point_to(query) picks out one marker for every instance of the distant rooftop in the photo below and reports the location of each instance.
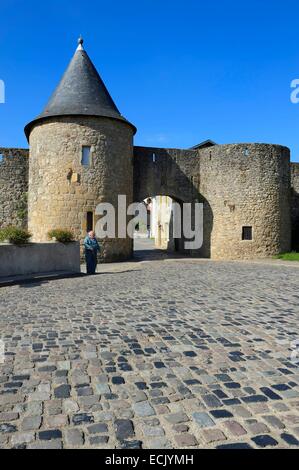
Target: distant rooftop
(204, 144)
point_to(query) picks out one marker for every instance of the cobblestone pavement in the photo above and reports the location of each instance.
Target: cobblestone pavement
(157, 354)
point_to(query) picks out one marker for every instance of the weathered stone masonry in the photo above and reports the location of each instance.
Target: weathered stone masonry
(62, 191)
(14, 165)
(242, 184)
(239, 185)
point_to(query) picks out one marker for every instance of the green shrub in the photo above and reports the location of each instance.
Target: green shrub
(293, 256)
(15, 235)
(61, 235)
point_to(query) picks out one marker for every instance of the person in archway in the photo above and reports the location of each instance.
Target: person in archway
(149, 207)
(91, 249)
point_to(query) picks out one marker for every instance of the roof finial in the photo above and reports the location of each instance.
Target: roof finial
(80, 42)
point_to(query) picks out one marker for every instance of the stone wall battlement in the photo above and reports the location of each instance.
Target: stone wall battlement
(240, 185)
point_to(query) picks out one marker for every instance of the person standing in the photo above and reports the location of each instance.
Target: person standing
(149, 207)
(91, 248)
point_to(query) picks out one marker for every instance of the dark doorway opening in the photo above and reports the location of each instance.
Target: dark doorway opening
(89, 221)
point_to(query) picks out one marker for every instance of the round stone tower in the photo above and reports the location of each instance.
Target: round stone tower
(81, 154)
(248, 190)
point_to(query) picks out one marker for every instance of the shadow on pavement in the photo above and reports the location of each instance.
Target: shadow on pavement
(145, 250)
(38, 280)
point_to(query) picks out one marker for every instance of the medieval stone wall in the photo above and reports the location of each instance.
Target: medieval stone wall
(174, 173)
(295, 205)
(13, 186)
(167, 172)
(62, 190)
(242, 185)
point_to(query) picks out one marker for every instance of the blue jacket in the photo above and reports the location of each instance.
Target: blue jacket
(91, 244)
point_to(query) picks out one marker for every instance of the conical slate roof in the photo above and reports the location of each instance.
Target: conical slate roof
(81, 91)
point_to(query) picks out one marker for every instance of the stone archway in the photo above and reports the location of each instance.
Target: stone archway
(158, 231)
(176, 174)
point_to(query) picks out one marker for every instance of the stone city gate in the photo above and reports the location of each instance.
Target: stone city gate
(82, 153)
(244, 188)
(173, 173)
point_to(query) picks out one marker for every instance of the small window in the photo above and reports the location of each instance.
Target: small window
(89, 221)
(246, 233)
(85, 160)
(1, 157)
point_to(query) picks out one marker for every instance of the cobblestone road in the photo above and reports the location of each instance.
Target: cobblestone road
(159, 354)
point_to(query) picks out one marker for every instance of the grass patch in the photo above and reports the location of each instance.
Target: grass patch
(293, 256)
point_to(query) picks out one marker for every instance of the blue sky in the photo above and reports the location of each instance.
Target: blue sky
(181, 71)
